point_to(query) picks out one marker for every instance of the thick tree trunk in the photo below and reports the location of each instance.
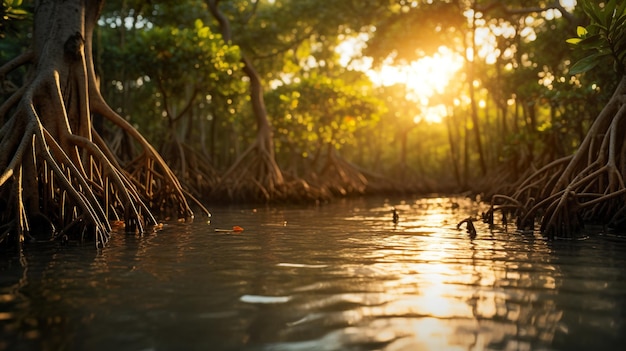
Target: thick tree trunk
(59, 179)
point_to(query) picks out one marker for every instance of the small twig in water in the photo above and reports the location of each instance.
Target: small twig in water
(471, 230)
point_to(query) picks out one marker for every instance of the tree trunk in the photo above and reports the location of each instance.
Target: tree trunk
(472, 92)
(404, 136)
(59, 179)
(452, 141)
(255, 173)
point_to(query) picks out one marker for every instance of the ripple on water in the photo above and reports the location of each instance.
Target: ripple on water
(336, 277)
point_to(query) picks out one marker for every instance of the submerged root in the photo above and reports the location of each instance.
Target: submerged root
(338, 177)
(587, 187)
(253, 177)
(148, 172)
(58, 182)
(469, 226)
(192, 168)
(45, 189)
(58, 178)
(508, 206)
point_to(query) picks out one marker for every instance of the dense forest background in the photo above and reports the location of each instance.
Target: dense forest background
(305, 100)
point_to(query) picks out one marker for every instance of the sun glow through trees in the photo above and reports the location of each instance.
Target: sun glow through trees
(429, 77)
(425, 78)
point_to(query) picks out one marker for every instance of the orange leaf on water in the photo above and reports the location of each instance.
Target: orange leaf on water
(237, 229)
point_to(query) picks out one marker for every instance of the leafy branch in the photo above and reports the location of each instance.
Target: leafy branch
(605, 36)
(10, 11)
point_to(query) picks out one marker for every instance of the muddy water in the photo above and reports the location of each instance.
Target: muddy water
(341, 276)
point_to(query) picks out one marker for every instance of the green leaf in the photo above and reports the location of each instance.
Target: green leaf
(621, 10)
(609, 12)
(592, 41)
(587, 63)
(619, 23)
(17, 13)
(198, 24)
(591, 12)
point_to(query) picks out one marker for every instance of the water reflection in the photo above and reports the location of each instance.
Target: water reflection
(336, 277)
(436, 289)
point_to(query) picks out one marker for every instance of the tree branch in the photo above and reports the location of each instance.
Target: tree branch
(18, 61)
(555, 5)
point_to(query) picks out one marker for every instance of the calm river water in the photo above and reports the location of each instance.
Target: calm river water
(340, 276)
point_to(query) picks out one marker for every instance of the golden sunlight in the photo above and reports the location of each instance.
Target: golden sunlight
(568, 4)
(430, 76)
(424, 78)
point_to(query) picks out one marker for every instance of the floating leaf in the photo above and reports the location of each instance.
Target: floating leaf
(236, 229)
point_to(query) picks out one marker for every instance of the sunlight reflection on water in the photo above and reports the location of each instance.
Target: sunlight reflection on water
(335, 277)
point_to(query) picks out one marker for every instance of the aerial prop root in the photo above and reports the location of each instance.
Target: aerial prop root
(31, 138)
(78, 195)
(506, 205)
(591, 186)
(253, 173)
(586, 199)
(559, 209)
(600, 180)
(587, 186)
(538, 184)
(136, 213)
(149, 167)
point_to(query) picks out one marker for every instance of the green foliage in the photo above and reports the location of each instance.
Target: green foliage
(176, 70)
(11, 11)
(605, 36)
(313, 101)
(15, 33)
(318, 110)
(180, 57)
(411, 30)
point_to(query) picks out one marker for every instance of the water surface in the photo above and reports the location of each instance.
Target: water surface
(341, 276)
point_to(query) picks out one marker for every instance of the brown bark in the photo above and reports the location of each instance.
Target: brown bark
(59, 179)
(585, 187)
(472, 92)
(255, 174)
